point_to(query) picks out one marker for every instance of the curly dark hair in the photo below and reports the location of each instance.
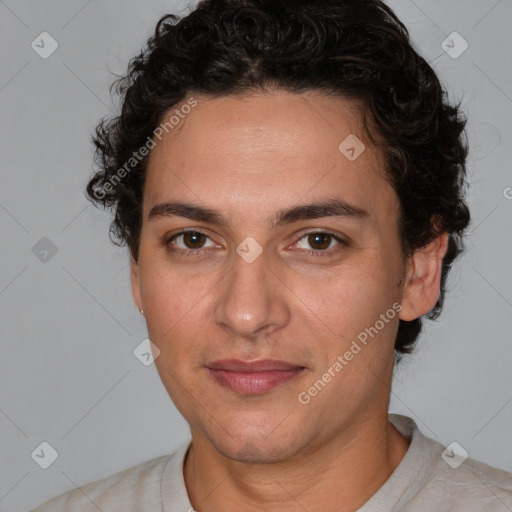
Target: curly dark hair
(356, 49)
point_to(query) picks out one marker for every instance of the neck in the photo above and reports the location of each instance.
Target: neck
(340, 475)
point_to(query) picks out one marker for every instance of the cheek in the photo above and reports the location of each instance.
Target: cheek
(172, 293)
(176, 315)
(347, 316)
(348, 297)
(356, 343)
(176, 310)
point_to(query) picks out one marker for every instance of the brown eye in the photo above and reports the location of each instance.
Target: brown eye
(320, 241)
(189, 241)
(194, 239)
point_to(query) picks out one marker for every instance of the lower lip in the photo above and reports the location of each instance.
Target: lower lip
(254, 383)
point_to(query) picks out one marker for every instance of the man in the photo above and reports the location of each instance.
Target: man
(289, 179)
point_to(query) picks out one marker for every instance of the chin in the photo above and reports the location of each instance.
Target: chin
(244, 441)
(253, 451)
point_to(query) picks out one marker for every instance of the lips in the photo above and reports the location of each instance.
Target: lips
(263, 365)
(253, 377)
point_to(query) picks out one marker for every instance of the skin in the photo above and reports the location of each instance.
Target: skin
(249, 157)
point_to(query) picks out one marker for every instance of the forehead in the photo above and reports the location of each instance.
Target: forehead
(282, 147)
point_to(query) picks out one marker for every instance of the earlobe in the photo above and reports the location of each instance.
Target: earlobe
(423, 281)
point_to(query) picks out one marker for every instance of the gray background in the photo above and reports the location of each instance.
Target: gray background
(68, 375)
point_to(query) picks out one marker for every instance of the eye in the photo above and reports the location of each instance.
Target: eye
(322, 243)
(189, 241)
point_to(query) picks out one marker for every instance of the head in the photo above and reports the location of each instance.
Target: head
(259, 118)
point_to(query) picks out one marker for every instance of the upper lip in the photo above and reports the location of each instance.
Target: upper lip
(261, 365)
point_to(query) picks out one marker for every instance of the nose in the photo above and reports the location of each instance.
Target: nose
(252, 300)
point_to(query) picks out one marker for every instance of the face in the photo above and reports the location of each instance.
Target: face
(249, 272)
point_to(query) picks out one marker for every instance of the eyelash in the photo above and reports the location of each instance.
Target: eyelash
(327, 253)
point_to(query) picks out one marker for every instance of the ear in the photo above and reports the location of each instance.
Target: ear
(423, 279)
(134, 275)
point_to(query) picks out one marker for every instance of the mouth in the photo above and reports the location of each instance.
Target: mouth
(255, 377)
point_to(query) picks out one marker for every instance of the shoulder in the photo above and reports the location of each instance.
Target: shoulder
(447, 479)
(135, 488)
(473, 486)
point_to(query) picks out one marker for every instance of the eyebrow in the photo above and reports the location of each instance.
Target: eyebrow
(326, 208)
